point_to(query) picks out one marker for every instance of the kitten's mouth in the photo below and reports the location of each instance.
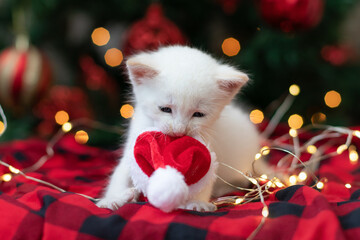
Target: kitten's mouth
(179, 134)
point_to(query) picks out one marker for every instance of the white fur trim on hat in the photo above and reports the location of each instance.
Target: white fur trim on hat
(167, 189)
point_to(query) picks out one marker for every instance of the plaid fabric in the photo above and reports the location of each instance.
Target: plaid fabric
(29, 210)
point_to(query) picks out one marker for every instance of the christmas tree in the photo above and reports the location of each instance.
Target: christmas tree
(63, 60)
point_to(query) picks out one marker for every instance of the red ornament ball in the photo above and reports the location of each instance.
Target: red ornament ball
(337, 55)
(292, 15)
(152, 31)
(24, 77)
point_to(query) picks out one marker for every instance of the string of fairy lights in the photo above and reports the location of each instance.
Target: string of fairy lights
(290, 169)
(295, 122)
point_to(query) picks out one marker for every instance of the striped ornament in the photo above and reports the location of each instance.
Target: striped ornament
(24, 77)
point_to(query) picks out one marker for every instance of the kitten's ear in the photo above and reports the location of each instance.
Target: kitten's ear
(230, 80)
(140, 72)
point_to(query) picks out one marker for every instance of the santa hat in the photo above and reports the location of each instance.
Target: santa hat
(171, 165)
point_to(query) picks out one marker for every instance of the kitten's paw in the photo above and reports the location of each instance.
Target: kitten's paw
(115, 203)
(199, 206)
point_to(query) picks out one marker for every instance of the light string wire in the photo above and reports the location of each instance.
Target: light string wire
(293, 151)
(50, 150)
(283, 108)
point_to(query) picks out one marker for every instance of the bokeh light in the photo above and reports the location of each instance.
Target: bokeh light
(311, 149)
(265, 150)
(127, 111)
(256, 116)
(295, 121)
(318, 117)
(302, 176)
(332, 99)
(6, 177)
(292, 180)
(14, 170)
(353, 155)
(81, 137)
(239, 200)
(113, 57)
(356, 133)
(320, 185)
(341, 148)
(294, 90)
(293, 133)
(2, 127)
(230, 47)
(66, 127)
(100, 36)
(61, 117)
(265, 211)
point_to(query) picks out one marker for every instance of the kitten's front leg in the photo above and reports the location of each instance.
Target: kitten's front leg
(201, 202)
(119, 190)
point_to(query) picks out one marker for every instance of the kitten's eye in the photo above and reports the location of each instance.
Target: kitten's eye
(165, 109)
(198, 114)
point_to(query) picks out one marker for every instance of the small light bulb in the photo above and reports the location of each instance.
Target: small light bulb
(264, 176)
(256, 116)
(356, 133)
(295, 121)
(2, 127)
(100, 36)
(311, 149)
(265, 150)
(341, 149)
(127, 111)
(294, 90)
(279, 184)
(332, 99)
(14, 170)
(320, 185)
(302, 176)
(6, 177)
(348, 185)
(253, 181)
(231, 47)
(258, 156)
(292, 180)
(293, 133)
(61, 117)
(318, 117)
(239, 200)
(81, 137)
(66, 127)
(265, 211)
(354, 157)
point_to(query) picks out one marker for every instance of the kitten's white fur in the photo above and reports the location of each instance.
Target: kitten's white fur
(188, 81)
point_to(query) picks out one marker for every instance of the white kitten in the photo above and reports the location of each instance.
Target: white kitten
(183, 91)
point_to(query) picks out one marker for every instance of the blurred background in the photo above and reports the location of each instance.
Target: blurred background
(62, 60)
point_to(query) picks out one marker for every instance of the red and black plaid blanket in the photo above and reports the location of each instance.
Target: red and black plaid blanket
(29, 210)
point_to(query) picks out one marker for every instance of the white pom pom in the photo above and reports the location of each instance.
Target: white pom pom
(167, 189)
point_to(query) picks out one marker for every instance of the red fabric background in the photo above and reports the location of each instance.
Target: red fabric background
(29, 210)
